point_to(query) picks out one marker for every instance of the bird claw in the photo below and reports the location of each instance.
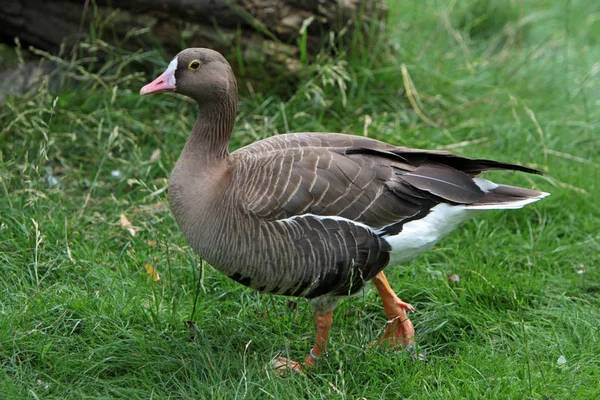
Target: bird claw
(405, 306)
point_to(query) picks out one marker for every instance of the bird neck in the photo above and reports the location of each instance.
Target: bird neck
(212, 132)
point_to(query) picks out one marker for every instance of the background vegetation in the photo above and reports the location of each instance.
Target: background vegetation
(83, 168)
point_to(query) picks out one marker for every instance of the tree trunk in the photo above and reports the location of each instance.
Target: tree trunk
(259, 32)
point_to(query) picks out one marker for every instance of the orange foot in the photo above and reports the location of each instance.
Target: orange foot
(323, 323)
(398, 332)
(282, 365)
(404, 306)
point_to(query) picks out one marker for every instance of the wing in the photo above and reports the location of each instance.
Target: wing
(325, 182)
(353, 177)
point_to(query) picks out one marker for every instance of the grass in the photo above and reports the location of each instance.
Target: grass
(517, 81)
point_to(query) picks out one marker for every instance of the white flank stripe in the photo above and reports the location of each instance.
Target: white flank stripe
(323, 217)
(420, 235)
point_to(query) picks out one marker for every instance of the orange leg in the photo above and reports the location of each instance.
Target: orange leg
(400, 330)
(323, 323)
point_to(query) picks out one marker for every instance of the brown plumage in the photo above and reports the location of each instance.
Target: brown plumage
(314, 215)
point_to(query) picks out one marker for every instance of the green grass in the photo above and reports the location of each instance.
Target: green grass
(513, 81)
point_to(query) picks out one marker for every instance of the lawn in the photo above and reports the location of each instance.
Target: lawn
(83, 220)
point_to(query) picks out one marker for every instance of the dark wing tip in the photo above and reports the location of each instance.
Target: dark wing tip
(497, 165)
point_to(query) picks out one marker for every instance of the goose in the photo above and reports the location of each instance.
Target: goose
(315, 215)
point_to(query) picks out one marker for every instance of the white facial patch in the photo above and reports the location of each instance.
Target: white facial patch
(172, 68)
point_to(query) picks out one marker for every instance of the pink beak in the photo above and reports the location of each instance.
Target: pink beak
(165, 82)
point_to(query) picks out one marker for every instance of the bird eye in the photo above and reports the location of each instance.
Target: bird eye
(194, 65)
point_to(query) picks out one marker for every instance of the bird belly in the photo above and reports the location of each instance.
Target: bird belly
(420, 235)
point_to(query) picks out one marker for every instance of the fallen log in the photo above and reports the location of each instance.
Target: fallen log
(280, 32)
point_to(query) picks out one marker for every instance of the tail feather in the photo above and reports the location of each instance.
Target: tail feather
(507, 197)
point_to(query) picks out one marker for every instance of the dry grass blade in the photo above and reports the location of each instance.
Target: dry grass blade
(412, 95)
(572, 157)
(538, 128)
(155, 156)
